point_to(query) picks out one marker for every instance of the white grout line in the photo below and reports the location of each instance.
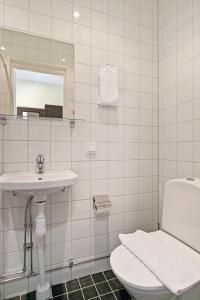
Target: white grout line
(110, 285)
(112, 290)
(95, 287)
(81, 289)
(66, 290)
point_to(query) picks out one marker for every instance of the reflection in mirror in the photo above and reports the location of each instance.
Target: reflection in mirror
(36, 76)
(37, 93)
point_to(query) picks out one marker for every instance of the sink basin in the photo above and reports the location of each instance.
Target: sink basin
(33, 183)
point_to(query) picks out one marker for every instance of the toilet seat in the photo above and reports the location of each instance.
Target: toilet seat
(133, 273)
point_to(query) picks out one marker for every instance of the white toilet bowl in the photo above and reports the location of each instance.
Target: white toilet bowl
(139, 281)
(136, 278)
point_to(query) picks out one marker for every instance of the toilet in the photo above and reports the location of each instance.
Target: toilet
(180, 230)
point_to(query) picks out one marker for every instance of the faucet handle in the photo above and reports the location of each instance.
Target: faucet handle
(40, 159)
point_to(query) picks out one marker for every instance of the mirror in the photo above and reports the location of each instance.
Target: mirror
(36, 76)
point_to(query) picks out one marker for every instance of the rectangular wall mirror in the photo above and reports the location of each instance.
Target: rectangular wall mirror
(36, 76)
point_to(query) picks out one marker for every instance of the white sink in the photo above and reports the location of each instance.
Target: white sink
(32, 183)
(36, 187)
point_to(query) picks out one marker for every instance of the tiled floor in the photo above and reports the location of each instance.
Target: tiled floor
(100, 286)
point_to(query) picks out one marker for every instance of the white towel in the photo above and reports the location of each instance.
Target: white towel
(108, 85)
(175, 272)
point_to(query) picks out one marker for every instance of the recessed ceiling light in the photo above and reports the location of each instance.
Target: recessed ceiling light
(3, 48)
(76, 14)
(63, 59)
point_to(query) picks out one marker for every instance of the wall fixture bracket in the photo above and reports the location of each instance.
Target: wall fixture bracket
(3, 120)
(72, 123)
(71, 263)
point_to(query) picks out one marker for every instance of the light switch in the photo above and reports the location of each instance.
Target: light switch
(91, 148)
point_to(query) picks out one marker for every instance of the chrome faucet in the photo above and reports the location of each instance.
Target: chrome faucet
(40, 163)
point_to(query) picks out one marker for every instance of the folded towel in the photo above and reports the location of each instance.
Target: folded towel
(108, 86)
(175, 272)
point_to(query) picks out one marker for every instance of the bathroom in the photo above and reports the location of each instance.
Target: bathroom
(113, 157)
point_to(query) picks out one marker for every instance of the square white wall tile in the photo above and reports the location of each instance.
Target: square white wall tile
(81, 190)
(81, 209)
(62, 10)
(39, 130)
(60, 151)
(99, 21)
(15, 130)
(80, 229)
(81, 248)
(61, 30)
(116, 8)
(99, 245)
(101, 6)
(81, 34)
(99, 186)
(16, 18)
(60, 212)
(60, 232)
(15, 151)
(43, 7)
(84, 18)
(39, 24)
(60, 253)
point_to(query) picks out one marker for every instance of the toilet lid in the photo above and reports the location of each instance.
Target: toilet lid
(132, 272)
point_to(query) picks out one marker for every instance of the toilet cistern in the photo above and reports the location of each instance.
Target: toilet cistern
(40, 163)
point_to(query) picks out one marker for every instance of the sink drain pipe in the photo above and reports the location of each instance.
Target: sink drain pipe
(43, 290)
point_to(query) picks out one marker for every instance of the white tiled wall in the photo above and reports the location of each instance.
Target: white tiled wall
(119, 32)
(179, 59)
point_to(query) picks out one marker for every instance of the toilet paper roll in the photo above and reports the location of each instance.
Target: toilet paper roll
(101, 205)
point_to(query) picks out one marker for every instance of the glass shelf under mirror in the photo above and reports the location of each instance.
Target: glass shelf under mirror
(70, 121)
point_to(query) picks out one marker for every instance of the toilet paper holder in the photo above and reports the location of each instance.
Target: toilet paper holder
(101, 204)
